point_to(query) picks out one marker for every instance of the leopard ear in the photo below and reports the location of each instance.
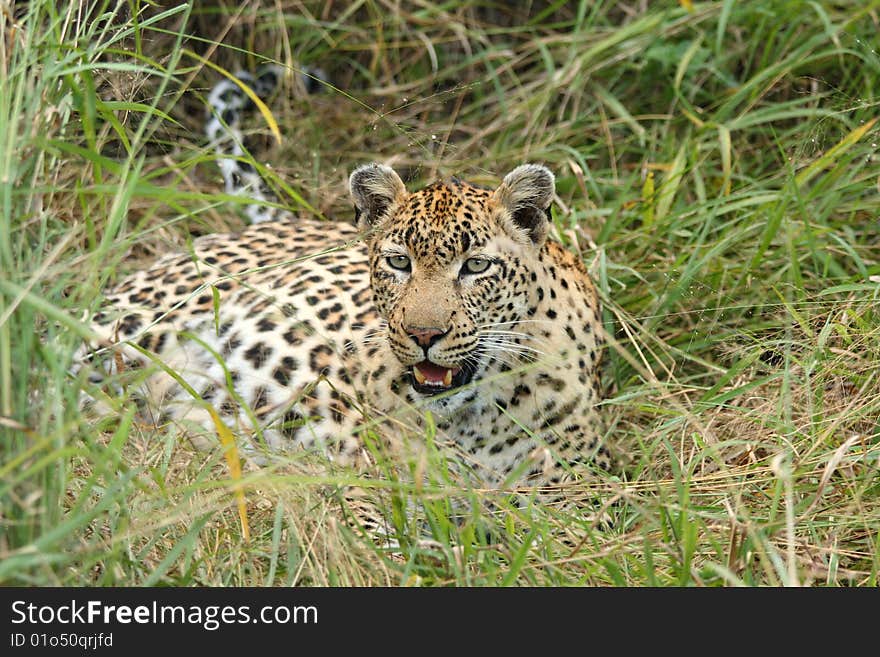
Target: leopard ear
(376, 189)
(526, 193)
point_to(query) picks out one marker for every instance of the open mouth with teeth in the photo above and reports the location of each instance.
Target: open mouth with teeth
(430, 379)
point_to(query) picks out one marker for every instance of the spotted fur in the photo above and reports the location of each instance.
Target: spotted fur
(301, 334)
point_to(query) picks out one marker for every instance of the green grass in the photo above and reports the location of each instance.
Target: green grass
(717, 170)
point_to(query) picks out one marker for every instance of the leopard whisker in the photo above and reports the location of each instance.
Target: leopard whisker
(511, 346)
(514, 322)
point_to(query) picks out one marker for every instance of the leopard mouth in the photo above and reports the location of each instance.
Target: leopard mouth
(431, 379)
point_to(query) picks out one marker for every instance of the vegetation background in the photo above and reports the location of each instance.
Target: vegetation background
(718, 171)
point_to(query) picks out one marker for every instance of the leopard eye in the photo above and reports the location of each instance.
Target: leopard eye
(400, 262)
(475, 265)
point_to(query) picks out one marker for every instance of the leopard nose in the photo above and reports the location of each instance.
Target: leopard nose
(425, 337)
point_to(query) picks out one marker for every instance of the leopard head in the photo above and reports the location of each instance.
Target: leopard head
(451, 269)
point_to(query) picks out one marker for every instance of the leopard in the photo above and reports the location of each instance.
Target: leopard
(449, 313)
